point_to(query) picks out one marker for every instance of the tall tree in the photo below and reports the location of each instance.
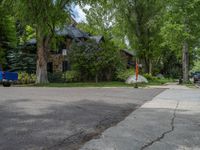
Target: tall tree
(181, 30)
(136, 23)
(7, 33)
(100, 20)
(141, 21)
(44, 16)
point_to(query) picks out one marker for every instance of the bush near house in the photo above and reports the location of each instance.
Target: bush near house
(149, 77)
(123, 75)
(71, 76)
(95, 62)
(25, 78)
(56, 77)
(64, 77)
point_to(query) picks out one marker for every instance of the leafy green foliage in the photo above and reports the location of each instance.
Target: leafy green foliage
(156, 80)
(56, 77)
(141, 22)
(25, 33)
(66, 77)
(7, 33)
(44, 16)
(25, 78)
(180, 23)
(156, 29)
(95, 61)
(196, 66)
(101, 21)
(171, 64)
(71, 76)
(123, 75)
(149, 77)
(151, 28)
(180, 31)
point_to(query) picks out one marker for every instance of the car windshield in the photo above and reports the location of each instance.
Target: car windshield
(196, 73)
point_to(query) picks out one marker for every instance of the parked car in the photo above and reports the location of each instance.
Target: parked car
(196, 77)
(6, 78)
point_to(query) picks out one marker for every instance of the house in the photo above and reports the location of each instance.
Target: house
(129, 58)
(58, 59)
(58, 62)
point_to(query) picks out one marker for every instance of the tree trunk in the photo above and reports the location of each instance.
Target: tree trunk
(185, 62)
(146, 65)
(41, 70)
(96, 78)
(150, 67)
(109, 74)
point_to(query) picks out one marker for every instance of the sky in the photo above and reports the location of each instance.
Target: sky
(79, 15)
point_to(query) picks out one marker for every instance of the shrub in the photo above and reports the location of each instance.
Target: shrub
(95, 61)
(124, 74)
(196, 66)
(71, 76)
(25, 78)
(149, 77)
(33, 78)
(56, 77)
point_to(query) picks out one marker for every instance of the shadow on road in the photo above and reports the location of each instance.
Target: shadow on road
(57, 126)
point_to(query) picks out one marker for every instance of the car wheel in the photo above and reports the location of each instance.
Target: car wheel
(6, 84)
(195, 80)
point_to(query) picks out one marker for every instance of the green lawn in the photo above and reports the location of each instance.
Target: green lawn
(160, 81)
(86, 84)
(104, 84)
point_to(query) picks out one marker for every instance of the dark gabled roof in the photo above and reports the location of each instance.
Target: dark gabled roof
(98, 39)
(131, 53)
(71, 31)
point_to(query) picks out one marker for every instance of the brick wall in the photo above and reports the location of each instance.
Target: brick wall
(57, 60)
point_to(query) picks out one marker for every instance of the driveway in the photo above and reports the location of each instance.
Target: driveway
(63, 118)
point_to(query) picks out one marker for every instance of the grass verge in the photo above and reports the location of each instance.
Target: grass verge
(86, 84)
(103, 84)
(160, 81)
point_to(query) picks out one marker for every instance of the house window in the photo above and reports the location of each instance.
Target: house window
(64, 52)
(65, 66)
(50, 67)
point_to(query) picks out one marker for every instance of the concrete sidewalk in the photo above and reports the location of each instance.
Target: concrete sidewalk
(171, 121)
(173, 85)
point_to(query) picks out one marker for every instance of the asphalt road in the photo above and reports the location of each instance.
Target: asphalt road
(171, 121)
(63, 118)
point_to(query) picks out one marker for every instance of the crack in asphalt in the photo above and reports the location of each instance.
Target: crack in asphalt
(75, 141)
(71, 138)
(165, 133)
